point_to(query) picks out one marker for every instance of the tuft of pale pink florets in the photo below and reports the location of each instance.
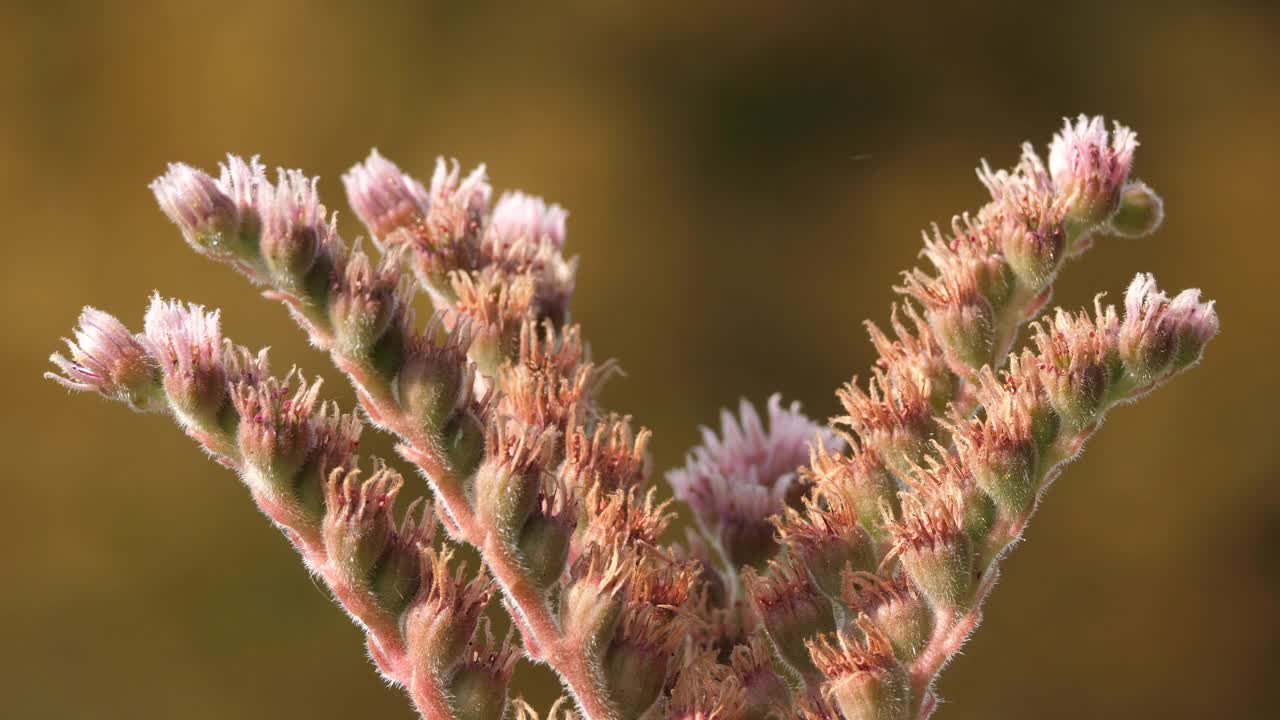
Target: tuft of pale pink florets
(217, 217)
(518, 216)
(735, 481)
(1089, 166)
(384, 197)
(186, 341)
(108, 359)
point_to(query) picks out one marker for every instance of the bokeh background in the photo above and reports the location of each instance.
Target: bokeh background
(745, 182)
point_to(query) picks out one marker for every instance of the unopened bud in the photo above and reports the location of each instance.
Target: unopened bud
(1194, 323)
(1089, 166)
(435, 379)
(591, 603)
(108, 359)
(894, 420)
(860, 477)
(507, 484)
(790, 608)
(275, 429)
(544, 539)
(218, 218)
(293, 227)
(635, 665)
(1034, 247)
(385, 198)
(478, 687)
(827, 539)
(358, 524)
(363, 303)
(999, 451)
(441, 620)
(186, 341)
(1078, 357)
(1147, 339)
(399, 575)
(935, 549)
(894, 605)
(1141, 211)
(864, 678)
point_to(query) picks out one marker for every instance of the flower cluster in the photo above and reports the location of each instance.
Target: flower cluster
(833, 569)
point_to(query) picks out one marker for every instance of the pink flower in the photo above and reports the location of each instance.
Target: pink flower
(108, 359)
(384, 197)
(186, 341)
(1089, 166)
(217, 217)
(518, 216)
(736, 481)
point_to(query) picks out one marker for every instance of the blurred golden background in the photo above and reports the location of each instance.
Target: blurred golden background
(745, 182)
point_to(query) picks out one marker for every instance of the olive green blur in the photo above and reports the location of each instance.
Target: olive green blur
(744, 186)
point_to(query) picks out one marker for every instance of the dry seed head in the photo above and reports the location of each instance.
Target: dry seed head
(611, 458)
(706, 690)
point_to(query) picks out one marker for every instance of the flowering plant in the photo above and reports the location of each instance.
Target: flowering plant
(833, 569)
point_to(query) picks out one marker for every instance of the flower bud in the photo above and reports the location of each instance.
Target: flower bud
(335, 437)
(218, 218)
(507, 484)
(1194, 323)
(464, 441)
(1078, 356)
(496, 304)
(519, 217)
(936, 551)
(358, 525)
(893, 419)
(752, 664)
(276, 434)
(895, 607)
(1141, 211)
(592, 600)
(478, 687)
(384, 198)
(363, 303)
(635, 664)
(441, 620)
(544, 539)
(735, 482)
(1089, 166)
(1146, 339)
(1034, 243)
(398, 577)
(435, 380)
(915, 357)
(998, 449)
(826, 538)
(108, 359)
(187, 343)
(791, 610)
(860, 477)
(863, 678)
(293, 227)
